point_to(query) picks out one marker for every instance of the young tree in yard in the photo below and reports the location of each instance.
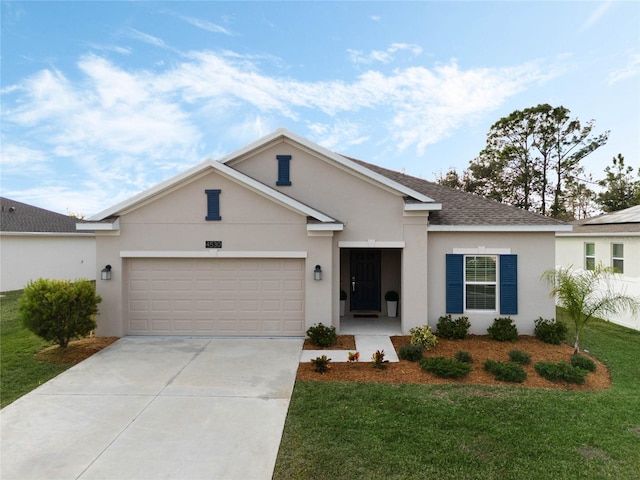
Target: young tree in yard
(621, 189)
(586, 294)
(59, 310)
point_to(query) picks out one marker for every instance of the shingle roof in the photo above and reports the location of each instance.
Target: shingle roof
(623, 221)
(21, 217)
(465, 209)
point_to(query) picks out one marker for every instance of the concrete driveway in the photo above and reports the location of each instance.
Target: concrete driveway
(151, 408)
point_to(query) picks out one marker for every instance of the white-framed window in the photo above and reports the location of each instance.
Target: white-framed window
(589, 256)
(480, 282)
(617, 257)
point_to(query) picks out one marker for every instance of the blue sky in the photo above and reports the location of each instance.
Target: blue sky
(101, 100)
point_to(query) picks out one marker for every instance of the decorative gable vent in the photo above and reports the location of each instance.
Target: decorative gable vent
(284, 169)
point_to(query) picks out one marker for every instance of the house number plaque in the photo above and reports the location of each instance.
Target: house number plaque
(213, 244)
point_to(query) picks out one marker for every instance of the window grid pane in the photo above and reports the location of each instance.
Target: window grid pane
(480, 269)
(480, 282)
(481, 297)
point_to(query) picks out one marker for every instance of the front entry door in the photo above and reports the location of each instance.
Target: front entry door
(365, 280)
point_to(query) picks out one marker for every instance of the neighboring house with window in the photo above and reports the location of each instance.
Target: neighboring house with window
(37, 243)
(262, 241)
(611, 239)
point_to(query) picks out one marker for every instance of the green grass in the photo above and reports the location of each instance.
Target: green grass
(351, 430)
(19, 371)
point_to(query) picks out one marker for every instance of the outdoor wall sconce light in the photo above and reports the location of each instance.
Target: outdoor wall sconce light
(105, 273)
(317, 273)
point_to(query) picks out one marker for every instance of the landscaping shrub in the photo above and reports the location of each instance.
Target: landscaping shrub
(518, 356)
(411, 352)
(503, 329)
(453, 329)
(322, 335)
(463, 356)
(445, 367)
(377, 359)
(59, 310)
(506, 371)
(320, 364)
(583, 362)
(550, 331)
(423, 336)
(561, 371)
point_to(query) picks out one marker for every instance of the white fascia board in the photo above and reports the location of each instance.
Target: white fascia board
(317, 227)
(48, 234)
(345, 162)
(422, 207)
(212, 253)
(482, 251)
(604, 235)
(499, 228)
(99, 226)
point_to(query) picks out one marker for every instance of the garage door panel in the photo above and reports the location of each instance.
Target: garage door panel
(215, 296)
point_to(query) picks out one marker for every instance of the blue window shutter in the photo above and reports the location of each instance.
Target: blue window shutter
(508, 284)
(455, 283)
(213, 205)
(284, 169)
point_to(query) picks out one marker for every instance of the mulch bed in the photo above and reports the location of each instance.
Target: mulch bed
(480, 347)
(76, 351)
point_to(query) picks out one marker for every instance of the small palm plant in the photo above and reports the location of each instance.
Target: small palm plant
(586, 294)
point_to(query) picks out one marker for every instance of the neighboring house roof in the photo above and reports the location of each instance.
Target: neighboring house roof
(465, 210)
(21, 217)
(625, 221)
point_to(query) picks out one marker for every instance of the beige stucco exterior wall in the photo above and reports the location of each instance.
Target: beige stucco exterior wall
(29, 256)
(535, 255)
(570, 251)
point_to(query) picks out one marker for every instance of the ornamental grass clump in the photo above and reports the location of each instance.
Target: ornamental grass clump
(561, 372)
(506, 371)
(320, 364)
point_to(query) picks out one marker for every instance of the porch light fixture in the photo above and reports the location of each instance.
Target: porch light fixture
(317, 273)
(105, 273)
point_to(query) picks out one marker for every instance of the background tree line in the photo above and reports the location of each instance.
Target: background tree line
(532, 160)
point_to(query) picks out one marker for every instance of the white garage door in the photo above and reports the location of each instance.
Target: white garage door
(246, 297)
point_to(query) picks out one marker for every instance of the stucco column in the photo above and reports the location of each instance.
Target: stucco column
(109, 318)
(414, 278)
(318, 293)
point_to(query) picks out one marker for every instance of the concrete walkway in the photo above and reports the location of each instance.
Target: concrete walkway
(149, 408)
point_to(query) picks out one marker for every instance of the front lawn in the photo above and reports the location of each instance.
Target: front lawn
(20, 372)
(360, 430)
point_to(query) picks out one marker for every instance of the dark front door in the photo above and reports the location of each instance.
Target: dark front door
(365, 280)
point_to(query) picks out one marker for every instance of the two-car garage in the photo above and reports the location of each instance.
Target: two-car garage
(214, 296)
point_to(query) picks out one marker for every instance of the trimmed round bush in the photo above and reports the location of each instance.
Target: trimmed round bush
(445, 367)
(550, 331)
(452, 329)
(423, 336)
(322, 335)
(411, 352)
(503, 329)
(59, 310)
(583, 362)
(518, 356)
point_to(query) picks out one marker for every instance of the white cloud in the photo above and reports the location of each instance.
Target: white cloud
(23, 161)
(205, 25)
(125, 130)
(630, 70)
(596, 15)
(146, 38)
(383, 56)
